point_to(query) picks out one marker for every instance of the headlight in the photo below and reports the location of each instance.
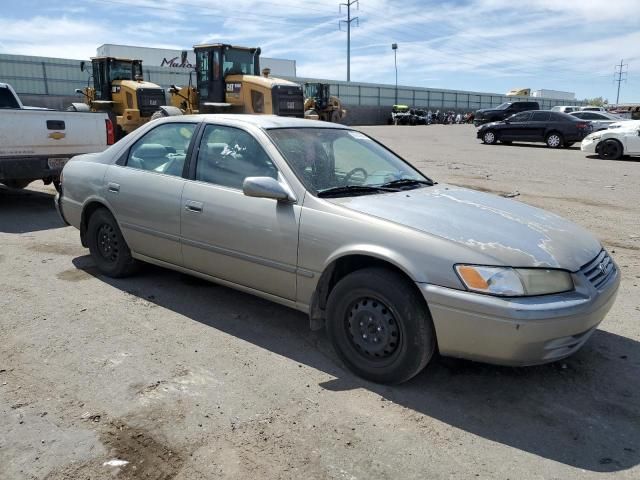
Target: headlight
(514, 282)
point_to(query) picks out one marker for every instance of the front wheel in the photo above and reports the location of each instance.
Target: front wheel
(379, 326)
(107, 245)
(610, 150)
(489, 137)
(554, 140)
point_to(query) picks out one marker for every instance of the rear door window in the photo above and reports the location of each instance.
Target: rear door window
(163, 149)
(7, 100)
(540, 116)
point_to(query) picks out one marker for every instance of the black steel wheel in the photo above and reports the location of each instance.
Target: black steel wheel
(380, 326)
(107, 245)
(610, 150)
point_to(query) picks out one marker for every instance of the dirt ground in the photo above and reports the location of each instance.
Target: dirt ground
(184, 379)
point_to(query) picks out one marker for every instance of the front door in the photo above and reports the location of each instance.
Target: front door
(144, 191)
(245, 240)
(516, 128)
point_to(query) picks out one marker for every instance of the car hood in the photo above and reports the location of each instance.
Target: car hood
(512, 232)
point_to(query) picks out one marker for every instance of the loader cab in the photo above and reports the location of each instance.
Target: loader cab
(214, 63)
(319, 92)
(107, 70)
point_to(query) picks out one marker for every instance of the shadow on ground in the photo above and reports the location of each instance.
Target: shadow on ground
(583, 412)
(23, 211)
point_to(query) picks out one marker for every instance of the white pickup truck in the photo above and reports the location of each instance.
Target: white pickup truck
(35, 143)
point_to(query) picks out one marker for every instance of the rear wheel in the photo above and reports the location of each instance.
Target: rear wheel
(610, 150)
(379, 326)
(489, 137)
(554, 140)
(107, 245)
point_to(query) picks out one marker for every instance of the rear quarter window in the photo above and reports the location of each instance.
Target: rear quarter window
(7, 100)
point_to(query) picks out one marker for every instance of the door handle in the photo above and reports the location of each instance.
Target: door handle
(195, 207)
(113, 187)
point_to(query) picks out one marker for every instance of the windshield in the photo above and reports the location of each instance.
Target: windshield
(325, 158)
(238, 61)
(311, 90)
(122, 70)
(503, 106)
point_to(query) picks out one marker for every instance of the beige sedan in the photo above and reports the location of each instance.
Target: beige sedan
(324, 219)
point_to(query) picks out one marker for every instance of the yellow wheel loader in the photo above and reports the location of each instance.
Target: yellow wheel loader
(119, 89)
(319, 104)
(228, 80)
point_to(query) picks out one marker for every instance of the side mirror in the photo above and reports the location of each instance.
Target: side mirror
(82, 66)
(266, 187)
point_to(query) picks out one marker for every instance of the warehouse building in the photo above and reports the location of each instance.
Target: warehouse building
(51, 82)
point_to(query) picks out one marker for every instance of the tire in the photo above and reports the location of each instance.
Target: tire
(393, 338)
(107, 245)
(610, 150)
(554, 140)
(489, 137)
(17, 184)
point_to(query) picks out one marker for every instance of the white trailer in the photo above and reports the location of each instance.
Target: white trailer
(554, 94)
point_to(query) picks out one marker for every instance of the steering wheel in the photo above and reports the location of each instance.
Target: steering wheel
(347, 177)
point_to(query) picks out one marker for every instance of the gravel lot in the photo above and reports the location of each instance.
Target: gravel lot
(189, 380)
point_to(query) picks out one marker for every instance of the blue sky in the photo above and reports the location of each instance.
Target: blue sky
(480, 45)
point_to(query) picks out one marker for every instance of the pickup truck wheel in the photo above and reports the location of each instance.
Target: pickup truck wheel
(107, 245)
(489, 137)
(379, 326)
(554, 140)
(610, 150)
(17, 184)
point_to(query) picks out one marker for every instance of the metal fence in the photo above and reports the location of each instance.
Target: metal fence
(53, 76)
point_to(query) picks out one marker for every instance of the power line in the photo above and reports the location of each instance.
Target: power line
(621, 72)
(348, 21)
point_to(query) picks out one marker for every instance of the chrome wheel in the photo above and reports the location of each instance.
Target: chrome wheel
(489, 138)
(554, 140)
(372, 329)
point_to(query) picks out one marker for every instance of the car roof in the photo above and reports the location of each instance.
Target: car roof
(264, 121)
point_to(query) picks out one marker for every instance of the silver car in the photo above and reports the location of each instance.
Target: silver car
(324, 219)
(599, 120)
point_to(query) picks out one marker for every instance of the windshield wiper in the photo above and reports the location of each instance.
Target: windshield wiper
(346, 190)
(407, 182)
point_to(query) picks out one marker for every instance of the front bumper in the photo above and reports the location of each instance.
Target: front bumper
(518, 331)
(589, 145)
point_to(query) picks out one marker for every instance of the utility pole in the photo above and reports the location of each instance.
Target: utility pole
(621, 73)
(394, 47)
(348, 22)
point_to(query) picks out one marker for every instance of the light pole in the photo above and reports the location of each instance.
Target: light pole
(394, 47)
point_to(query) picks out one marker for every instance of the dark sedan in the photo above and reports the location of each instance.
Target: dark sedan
(556, 129)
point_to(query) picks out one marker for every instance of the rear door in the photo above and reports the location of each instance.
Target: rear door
(144, 190)
(538, 125)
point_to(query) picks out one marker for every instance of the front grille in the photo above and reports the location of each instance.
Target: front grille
(288, 101)
(150, 100)
(599, 270)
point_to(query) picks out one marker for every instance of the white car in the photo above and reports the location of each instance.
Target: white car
(566, 108)
(612, 144)
(625, 124)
